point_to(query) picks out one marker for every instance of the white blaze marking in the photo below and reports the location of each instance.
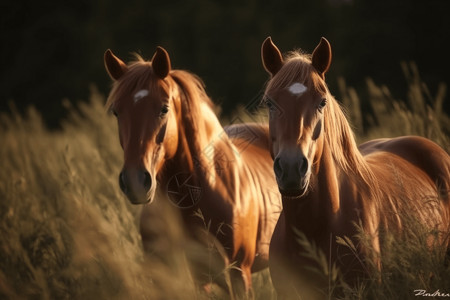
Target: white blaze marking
(297, 89)
(139, 95)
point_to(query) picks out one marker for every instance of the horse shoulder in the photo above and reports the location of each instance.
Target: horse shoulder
(262, 198)
(255, 166)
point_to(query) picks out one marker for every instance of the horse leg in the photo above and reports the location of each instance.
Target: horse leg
(241, 282)
(240, 274)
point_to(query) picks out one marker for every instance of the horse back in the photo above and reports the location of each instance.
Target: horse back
(245, 134)
(420, 152)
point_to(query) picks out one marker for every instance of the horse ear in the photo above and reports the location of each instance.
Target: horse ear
(161, 63)
(271, 57)
(321, 57)
(114, 66)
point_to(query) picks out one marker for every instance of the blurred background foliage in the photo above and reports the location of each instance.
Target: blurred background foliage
(53, 50)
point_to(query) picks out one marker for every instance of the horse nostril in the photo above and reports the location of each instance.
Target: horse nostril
(147, 180)
(303, 166)
(122, 183)
(277, 167)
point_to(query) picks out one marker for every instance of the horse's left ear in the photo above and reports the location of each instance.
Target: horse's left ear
(161, 62)
(321, 57)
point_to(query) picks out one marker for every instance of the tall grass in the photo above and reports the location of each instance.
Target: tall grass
(420, 112)
(67, 232)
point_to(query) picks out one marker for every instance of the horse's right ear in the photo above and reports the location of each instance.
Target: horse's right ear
(161, 62)
(114, 66)
(271, 57)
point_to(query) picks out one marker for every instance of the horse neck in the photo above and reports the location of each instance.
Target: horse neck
(312, 213)
(197, 139)
(339, 170)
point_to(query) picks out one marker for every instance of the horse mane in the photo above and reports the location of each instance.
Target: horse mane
(341, 140)
(198, 120)
(339, 136)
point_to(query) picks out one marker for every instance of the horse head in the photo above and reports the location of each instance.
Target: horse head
(297, 97)
(142, 99)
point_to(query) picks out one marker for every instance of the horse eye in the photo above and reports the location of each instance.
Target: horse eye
(164, 110)
(322, 104)
(114, 112)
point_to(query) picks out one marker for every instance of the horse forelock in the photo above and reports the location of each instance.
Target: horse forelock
(139, 75)
(297, 68)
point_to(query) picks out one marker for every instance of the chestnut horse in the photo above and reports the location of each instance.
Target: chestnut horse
(328, 184)
(170, 135)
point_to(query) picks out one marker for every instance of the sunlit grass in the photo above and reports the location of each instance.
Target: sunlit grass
(67, 231)
(419, 113)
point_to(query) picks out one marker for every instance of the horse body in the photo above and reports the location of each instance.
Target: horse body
(237, 195)
(328, 184)
(171, 135)
(414, 180)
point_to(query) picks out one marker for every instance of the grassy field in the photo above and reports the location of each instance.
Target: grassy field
(67, 232)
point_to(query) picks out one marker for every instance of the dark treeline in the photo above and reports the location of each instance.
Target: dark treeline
(54, 49)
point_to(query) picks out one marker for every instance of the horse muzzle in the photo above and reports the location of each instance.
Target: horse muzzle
(297, 191)
(292, 175)
(137, 185)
